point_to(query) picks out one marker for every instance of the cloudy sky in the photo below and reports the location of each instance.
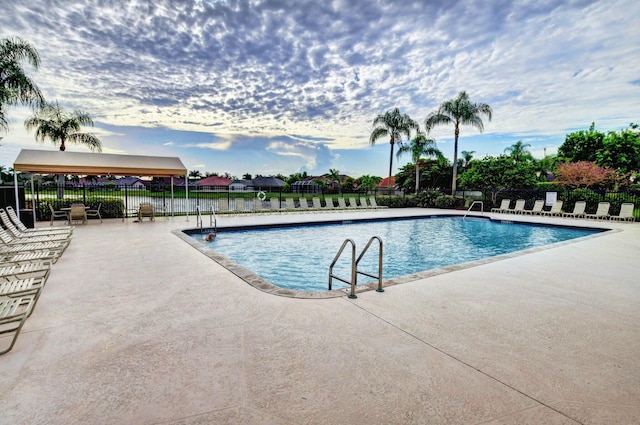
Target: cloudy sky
(281, 86)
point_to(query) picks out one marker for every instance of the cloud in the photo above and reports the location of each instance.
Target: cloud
(315, 74)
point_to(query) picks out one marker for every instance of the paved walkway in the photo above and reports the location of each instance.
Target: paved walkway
(136, 326)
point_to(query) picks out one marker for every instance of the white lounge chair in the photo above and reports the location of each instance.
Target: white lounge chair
(556, 209)
(578, 210)
(601, 213)
(317, 205)
(341, 203)
(352, 203)
(304, 204)
(328, 204)
(24, 229)
(537, 207)
(374, 203)
(13, 314)
(503, 208)
(626, 213)
(518, 208)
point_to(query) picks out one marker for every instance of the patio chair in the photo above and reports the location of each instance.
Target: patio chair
(17, 287)
(556, 209)
(317, 205)
(518, 208)
(537, 207)
(36, 237)
(57, 214)
(290, 204)
(13, 314)
(626, 213)
(304, 204)
(60, 230)
(275, 203)
(78, 212)
(9, 244)
(601, 213)
(328, 204)
(9, 271)
(374, 204)
(341, 203)
(146, 210)
(504, 206)
(94, 213)
(257, 204)
(578, 210)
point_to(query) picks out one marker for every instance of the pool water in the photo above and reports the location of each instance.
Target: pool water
(299, 257)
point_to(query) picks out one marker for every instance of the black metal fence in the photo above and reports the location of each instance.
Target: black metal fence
(119, 201)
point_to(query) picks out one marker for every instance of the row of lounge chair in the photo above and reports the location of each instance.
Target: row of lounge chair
(290, 204)
(26, 257)
(602, 212)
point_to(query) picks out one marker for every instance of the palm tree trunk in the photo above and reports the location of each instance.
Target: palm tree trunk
(455, 162)
(390, 169)
(417, 177)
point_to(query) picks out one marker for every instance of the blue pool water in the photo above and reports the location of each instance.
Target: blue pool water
(299, 257)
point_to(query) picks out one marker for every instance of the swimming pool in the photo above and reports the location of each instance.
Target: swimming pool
(298, 257)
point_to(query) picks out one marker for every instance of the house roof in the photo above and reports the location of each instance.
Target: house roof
(214, 181)
(385, 182)
(58, 162)
(268, 182)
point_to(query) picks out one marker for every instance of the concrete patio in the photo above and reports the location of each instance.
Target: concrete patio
(135, 326)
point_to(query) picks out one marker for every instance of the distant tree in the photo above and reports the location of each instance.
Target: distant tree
(195, 174)
(582, 145)
(247, 176)
(335, 178)
(519, 152)
(434, 173)
(584, 174)
(499, 173)
(394, 125)
(295, 177)
(54, 123)
(211, 174)
(419, 146)
(16, 88)
(620, 150)
(458, 111)
(467, 156)
(368, 182)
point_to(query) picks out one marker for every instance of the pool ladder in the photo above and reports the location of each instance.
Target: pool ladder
(354, 265)
(472, 204)
(213, 221)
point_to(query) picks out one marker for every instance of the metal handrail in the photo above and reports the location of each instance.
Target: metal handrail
(353, 267)
(214, 219)
(198, 218)
(379, 276)
(472, 204)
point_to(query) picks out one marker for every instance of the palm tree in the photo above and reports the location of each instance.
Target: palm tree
(334, 176)
(519, 151)
(458, 111)
(15, 86)
(55, 123)
(394, 125)
(420, 145)
(467, 156)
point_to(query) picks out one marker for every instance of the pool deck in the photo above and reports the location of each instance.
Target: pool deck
(137, 327)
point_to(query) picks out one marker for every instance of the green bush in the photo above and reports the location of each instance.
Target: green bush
(397, 201)
(592, 199)
(427, 198)
(449, 202)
